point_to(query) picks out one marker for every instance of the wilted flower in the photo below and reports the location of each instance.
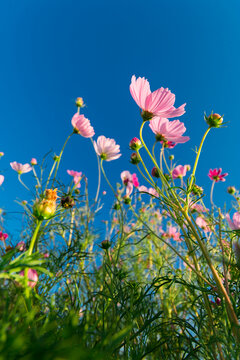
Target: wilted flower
(215, 175)
(32, 276)
(160, 102)
(82, 126)
(180, 171)
(107, 148)
(45, 208)
(155, 172)
(67, 202)
(168, 131)
(20, 168)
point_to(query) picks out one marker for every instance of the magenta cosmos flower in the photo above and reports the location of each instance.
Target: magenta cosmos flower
(159, 102)
(32, 276)
(82, 126)
(180, 171)
(235, 224)
(20, 168)
(166, 130)
(3, 236)
(107, 148)
(215, 175)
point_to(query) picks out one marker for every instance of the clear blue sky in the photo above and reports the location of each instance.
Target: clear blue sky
(53, 51)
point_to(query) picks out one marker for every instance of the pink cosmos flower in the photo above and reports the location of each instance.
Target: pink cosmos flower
(1, 179)
(33, 162)
(168, 131)
(20, 168)
(76, 177)
(32, 276)
(203, 224)
(235, 224)
(107, 148)
(215, 175)
(172, 233)
(160, 102)
(82, 126)
(150, 191)
(21, 246)
(198, 208)
(3, 236)
(46, 255)
(180, 171)
(129, 180)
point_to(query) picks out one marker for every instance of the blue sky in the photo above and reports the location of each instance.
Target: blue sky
(54, 51)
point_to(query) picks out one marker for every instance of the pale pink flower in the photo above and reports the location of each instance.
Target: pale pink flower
(160, 102)
(107, 148)
(168, 131)
(143, 188)
(203, 224)
(33, 162)
(180, 171)
(235, 224)
(21, 246)
(82, 126)
(20, 168)
(32, 276)
(216, 175)
(172, 233)
(77, 175)
(1, 179)
(150, 191)
(198, 208)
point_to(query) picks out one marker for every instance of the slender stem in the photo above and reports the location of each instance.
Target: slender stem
(34, 237)
(153, 150)
(161, 158)
(60, 156)
(36, 177)
(165, 161)
(143, 175)
(71, 227)
(99, 176)
(20, 180)
(145, 168)
(104, 174)
(196, 163)
(211, 193)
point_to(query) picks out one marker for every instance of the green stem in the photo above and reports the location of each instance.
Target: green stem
(145, 168)
(104, 174)
(211, 193)
(34, 237)
(195, 164)
(99, 176)
(19, 178)
(58, 159)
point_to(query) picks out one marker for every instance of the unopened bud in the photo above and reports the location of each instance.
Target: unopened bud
(135, 144)
(127, 200)
(197, 190)
(134, 159)
(231, 190)
(116, 206)
(171, 157)
(33, 162)
(155, 172)
(105, 244)
(214, 120)
(79, 102)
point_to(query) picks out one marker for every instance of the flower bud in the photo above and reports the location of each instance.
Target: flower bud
(218, 301)
(214, 120)
(134, 159)
(167, 177)
(56, 158)
(105, 244)
(231, 190)
(1, 153)
(33, 162)
(79, 102)
(171, 157)
(155, 172)
(197, 190)
(135, 144)
(127, 200)
(45, 208)
(116, 206)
